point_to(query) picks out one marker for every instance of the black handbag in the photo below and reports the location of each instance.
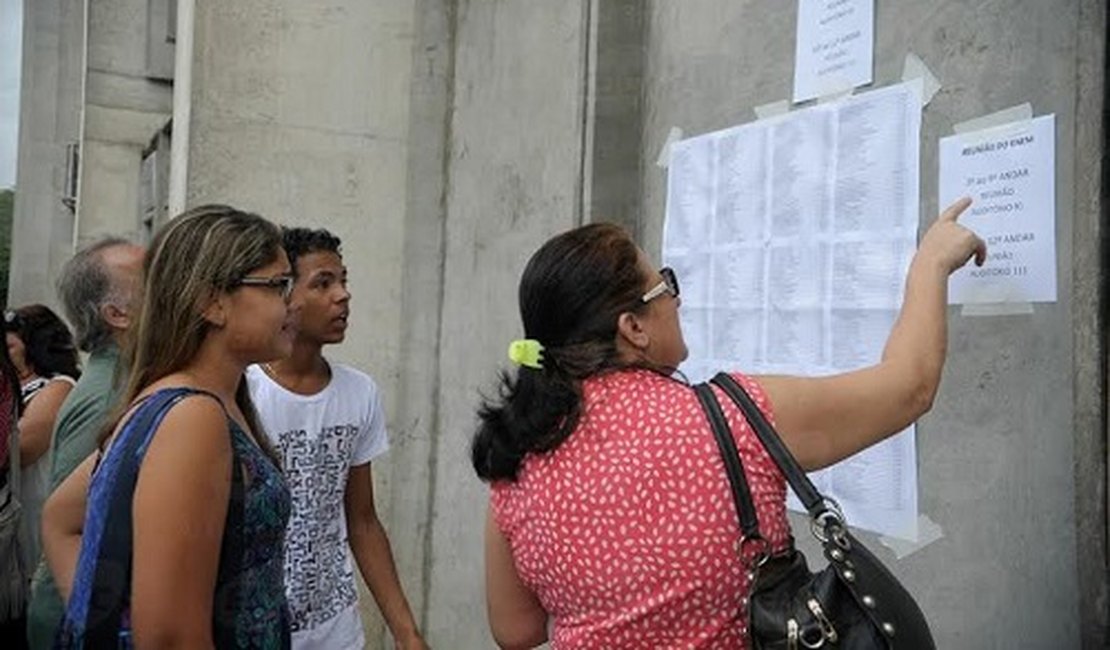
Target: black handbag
(853, 603)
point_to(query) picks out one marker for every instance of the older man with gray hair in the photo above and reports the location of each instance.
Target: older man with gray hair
(97, 288)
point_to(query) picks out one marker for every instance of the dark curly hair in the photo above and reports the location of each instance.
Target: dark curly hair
(49, 344)
(302, 241)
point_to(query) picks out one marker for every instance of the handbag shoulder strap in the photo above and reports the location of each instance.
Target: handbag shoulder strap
(741, 495)
(795, 475)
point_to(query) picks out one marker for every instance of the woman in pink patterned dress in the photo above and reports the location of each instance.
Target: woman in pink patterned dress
(611, 523)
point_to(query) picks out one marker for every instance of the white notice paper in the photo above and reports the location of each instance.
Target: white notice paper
(792, 237)
(1010, 174)
(834, 49)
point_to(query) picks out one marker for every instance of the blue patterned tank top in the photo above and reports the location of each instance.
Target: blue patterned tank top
(248, 608)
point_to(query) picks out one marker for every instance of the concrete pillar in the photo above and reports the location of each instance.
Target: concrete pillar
(514, 179)
(127, 102)
(415, 431)
(616, 112)
(1092, 439)
(50, 105)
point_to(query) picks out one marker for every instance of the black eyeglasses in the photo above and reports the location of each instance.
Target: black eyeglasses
(669, 285)
(284, 283)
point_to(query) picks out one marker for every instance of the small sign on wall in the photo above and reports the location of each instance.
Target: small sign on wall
(834, 48)
(1009, 172)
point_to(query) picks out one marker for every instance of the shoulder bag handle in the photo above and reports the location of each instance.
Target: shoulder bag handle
(741, 495)
(819, 507)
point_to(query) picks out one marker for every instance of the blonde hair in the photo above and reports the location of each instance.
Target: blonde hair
(194, 257)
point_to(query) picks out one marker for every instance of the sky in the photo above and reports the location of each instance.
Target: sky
(11, 35)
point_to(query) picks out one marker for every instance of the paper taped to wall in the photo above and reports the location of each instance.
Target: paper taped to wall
(792, 236)
(1009, 172)
(926, 531)
(915, 68)
(673, 136)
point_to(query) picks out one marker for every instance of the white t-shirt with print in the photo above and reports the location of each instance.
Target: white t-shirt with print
(319, 438)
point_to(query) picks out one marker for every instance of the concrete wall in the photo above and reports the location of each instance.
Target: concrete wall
(85, 81)
(514, 171)
(1012, 459)
(50, 104)
(413, 453)
(1011, 432)
(126, 103)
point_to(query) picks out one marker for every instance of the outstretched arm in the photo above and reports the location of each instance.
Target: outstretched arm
(826, 419)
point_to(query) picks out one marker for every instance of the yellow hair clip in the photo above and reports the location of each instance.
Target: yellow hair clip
(526, 352)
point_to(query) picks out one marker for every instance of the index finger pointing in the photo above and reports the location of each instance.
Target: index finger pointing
(951, 212)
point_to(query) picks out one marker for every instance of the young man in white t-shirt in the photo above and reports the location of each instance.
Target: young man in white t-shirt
(327, 423)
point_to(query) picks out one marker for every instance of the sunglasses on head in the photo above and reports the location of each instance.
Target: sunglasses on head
(668, 285)
(12, 321)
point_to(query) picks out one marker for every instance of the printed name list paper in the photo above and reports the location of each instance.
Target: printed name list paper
(792, 237)
(834, 49)
(1010, 174)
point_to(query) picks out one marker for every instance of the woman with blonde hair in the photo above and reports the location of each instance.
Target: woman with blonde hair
(611, 522)
(171, 535)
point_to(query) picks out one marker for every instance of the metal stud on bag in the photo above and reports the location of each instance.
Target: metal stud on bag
(827, 628)
(832, 517)
(791, 634)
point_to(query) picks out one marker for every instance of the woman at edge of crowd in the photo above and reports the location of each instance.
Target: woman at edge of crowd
(186, 495)
(42, 349)
(610, 515)
(13, 575)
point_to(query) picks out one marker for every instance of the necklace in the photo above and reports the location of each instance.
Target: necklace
(272, 374)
